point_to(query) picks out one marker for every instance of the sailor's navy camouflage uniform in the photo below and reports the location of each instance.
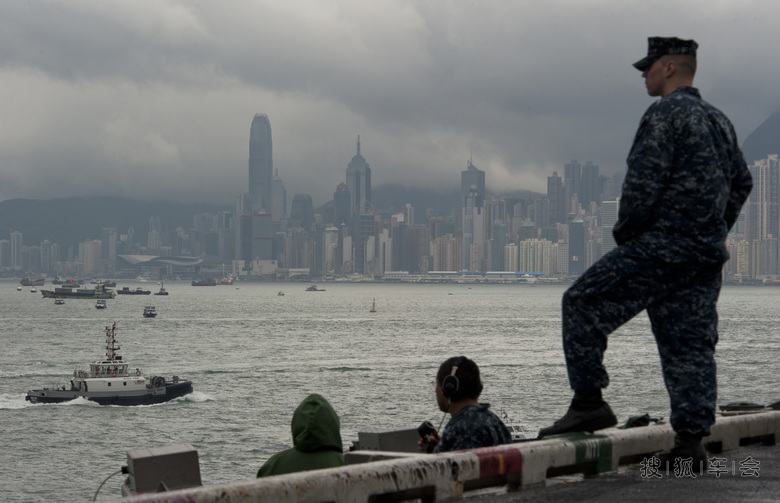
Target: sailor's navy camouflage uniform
(473, 426)
(685, 185)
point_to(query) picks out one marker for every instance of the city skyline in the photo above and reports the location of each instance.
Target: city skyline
(496, 236)
(151, 100)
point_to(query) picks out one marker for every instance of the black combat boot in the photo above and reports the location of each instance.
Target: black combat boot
(588, 412)
(686, 446)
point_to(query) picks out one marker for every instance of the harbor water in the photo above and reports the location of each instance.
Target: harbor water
(253, 355)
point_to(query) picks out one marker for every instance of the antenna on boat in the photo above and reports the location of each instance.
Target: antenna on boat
(111, 346)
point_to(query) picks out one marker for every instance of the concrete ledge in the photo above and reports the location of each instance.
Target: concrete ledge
(389, 476)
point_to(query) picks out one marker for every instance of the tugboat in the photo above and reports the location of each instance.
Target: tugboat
(111, 381)
(162, 291)
(516, 428)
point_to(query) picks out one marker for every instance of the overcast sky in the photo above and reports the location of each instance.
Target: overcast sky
(154, 99)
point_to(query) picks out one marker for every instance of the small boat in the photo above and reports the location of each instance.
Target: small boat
(59, 302)
(373, 307)
(19, 288)
(138, 291)
(313, 288)
(112, 381)
(100, 304)
(150, 312)
(162, 291)
(516, 428)
(280, 294)
(33, 290)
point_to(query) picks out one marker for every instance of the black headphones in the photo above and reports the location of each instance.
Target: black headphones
(451, 384)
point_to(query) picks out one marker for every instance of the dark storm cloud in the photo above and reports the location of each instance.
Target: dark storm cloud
(155, 98)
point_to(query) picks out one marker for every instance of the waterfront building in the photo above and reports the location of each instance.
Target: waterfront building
(498, 242)
(366, 227)
(384, 256)
(91, 256)
(473, 229)
(762, 213)
(447, 253)
(330, 251)
(256, 238)
(511, 254)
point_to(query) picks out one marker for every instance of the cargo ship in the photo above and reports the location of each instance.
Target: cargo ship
(99, 292)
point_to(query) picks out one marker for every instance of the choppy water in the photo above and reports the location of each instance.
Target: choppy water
(253, 355)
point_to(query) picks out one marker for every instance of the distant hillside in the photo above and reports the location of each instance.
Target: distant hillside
(72, 220)
(763, 141)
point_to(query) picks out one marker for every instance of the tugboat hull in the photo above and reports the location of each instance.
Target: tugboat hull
(147, 397)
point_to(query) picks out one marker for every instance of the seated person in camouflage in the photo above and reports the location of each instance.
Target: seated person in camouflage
(458, 386)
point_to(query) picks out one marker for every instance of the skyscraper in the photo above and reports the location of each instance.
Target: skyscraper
(572, 177)
(341, 201)
(278, 198)
(17, 239)
(302, 211)
(358, 181)
(762, 206)
(261, 165)
(472, 177)
(609, 216)
(589, 184)
(557, 198)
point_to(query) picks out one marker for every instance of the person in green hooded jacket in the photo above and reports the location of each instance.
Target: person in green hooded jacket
(316, 440)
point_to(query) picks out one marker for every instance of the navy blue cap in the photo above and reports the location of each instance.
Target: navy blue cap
(661, 46)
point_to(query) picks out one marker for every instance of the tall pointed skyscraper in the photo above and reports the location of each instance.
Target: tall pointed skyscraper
(261, 164)
(472, 177)
(358, 180)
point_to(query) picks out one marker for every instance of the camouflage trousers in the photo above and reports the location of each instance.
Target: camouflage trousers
(680, 300)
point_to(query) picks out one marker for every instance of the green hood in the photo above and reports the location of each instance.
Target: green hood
(315, 426)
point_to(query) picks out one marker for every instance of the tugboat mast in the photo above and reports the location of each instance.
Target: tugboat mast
(111, 344)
